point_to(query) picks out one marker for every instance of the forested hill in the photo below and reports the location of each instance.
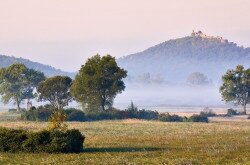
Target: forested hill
(46, 69)
(173, 60)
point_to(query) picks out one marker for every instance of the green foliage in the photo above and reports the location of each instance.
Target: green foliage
(56, 91)
(72, 114)
(207, 112)
(147, 114)
(57, 119)
(98, 82)
(132, 111)
(232, 112)
(198, 118)
(17, 83)
(11, 140)
(75, 115)
(69, 141)
(42, 113)
(37, 142)
(166, 117)
(236, 86)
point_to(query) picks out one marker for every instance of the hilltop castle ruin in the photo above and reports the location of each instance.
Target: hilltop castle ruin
(204, 36)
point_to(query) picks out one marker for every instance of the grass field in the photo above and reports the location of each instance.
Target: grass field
(146, 142)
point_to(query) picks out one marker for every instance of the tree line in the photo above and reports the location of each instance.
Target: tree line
(95, 86)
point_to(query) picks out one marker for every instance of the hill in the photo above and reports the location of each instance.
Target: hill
(6, 61)
(174, 60)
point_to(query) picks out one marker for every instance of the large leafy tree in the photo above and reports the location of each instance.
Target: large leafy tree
(17, 82)
(56, 91)
(236, 86)
(98, 82)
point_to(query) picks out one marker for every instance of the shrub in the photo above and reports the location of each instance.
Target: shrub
(132, 111)
(15, 110)
(207, 112)
(198, 118)
(42, 113)
(11, 140)
(231, 112)
(75, 115)
(12, 110)
(166, 117)
(37, 142)
(147, 114)
(110, 114)
(69, 141)
(57, 119)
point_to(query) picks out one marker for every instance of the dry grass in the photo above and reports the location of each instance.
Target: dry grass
(147, 142)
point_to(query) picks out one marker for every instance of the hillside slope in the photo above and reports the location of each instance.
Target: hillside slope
(174, 60)
(48, 70)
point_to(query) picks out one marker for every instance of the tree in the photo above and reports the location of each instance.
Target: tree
(56, 91)
(132, 110)
(236, 86)
(17, 83)
(197, 78)
(98, 82)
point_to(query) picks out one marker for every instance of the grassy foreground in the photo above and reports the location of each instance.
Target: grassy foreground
(146, 142)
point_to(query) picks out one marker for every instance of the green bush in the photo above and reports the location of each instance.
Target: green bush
(41, 113)
(75, 115)
(113, 114)
(207, 112)
(12, 110)
(198, 118)
(166, 117)
(110, 114)
(37, 142)
(11, 140)
(132, 111)
(231, 112)
(147, 114)
(70, 141)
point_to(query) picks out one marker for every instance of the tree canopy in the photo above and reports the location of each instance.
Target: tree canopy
(56, 90)
(17, 82)
(98, 82)
(197, 78)
(236, 86)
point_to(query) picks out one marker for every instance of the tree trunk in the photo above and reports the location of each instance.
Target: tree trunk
(18, 107)
(103, 106)
(103, 102)
(245, 109)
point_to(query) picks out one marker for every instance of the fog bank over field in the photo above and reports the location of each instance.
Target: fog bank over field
(169, 95)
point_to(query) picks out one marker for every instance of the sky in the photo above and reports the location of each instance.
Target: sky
(64, 33)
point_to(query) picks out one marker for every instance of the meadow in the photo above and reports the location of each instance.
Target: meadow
(146, 142)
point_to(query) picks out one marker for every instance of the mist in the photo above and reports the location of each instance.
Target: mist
(152, 95)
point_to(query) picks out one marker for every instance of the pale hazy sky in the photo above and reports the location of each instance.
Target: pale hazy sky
(64, 33)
